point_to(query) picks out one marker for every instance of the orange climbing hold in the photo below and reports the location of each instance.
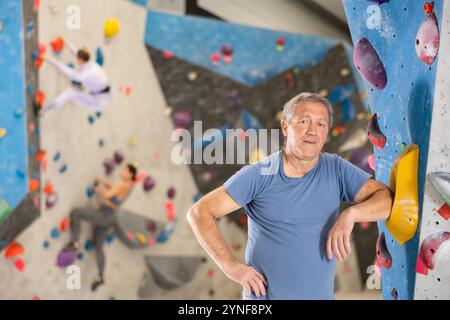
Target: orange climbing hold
(48, 188)
(404, 217)
(33, 185)
(444, 211)
(14, 250)
(40, 98)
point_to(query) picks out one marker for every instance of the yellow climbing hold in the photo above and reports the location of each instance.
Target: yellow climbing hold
(404, 217)
(3, 132)
(141, 238)
(112, 27)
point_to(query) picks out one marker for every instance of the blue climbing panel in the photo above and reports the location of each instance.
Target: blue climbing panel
(13, 146)
(404, 108)
(255, 57)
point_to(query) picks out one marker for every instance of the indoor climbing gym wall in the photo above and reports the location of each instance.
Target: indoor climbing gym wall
(152, 252)
(397, 52)
(19, 131)
(432, 269)
(165, 72)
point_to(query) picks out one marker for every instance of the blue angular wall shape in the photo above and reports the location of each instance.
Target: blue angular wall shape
(13, 147)
(255, 56)
(404, 109)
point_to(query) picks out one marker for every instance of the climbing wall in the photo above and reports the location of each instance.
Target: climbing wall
(19, 130)
(134, 127)
(433, 274)
(395, 49)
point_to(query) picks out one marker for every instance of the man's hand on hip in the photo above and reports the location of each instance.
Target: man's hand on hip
(339, 236)
(247, 277)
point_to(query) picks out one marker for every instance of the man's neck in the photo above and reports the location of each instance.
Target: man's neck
(295, 167)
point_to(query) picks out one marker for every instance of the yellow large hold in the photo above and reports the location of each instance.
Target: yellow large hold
(405, 211)
(112, 27)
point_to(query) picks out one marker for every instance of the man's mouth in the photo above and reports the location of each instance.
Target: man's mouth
(310, 141)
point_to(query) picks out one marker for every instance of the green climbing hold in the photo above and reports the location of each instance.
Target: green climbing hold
(5, 210)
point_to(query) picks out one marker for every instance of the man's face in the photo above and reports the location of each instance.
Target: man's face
(307, 131)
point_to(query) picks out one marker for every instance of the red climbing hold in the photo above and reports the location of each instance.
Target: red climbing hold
(19, 264)
(170, 210)
(377, 138)
(57, 45)
(64, 224)
(383, 255)
(40, 98)
(14, 250)
(48, 188)
(428, 7)
(444, 211)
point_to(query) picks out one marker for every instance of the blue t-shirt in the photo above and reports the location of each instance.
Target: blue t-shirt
(289, 220)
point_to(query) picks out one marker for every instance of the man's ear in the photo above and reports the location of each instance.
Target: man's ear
(284, 127)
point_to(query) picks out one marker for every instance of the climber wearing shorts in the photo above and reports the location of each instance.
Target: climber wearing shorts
(92, 88)
(104, 219)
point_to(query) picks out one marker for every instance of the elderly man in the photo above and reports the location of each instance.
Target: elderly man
(295, 231)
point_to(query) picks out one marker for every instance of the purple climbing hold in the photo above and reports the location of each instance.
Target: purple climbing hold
(182, 119)
(118, 157)
(66, 258)
(171, 193)
(109, 166)
(51, 201)
(360, 159)
(148, 184)
(369, 64)
(379, 1)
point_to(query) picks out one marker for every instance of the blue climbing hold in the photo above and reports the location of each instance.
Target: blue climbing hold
(110, 238)
(91, 119)
(63, 169)
(31, 150)
(164, 236)
(88, 245)
(57, 157)
(55, 233)
(20, 174)
(46, 244)
(30, 88)
(90, 192)
(100, 57)
(18, 113)
(98, 114)
(101, 143)
(197, 197)
(80, 256)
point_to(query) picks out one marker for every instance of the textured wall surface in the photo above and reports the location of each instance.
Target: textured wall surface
(404, 109)
(436, 283)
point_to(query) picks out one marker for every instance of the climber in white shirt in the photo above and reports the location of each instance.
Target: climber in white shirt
(91, 89)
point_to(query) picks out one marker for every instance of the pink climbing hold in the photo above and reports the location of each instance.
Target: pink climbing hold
(369, 64)
(182, 119)
(383, 255)
(371, 161)
(430, 246)
(427, 40)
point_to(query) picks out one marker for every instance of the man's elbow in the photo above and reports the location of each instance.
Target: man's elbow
(389, 200)
(194, 214)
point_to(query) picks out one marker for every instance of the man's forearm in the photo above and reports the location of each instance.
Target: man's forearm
(208, 234)
(376, 208)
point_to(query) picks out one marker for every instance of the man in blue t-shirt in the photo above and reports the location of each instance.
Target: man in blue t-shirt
(292, 199)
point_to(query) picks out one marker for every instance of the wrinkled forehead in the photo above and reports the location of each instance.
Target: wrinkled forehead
(313, 110)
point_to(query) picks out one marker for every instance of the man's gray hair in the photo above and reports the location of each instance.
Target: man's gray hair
(291, 105)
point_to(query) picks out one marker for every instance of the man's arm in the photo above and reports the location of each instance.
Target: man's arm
(374, 203)
(202, 218)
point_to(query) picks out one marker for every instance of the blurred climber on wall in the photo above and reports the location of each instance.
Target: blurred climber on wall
(91, 84)
(292, 199)
(103, 220)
